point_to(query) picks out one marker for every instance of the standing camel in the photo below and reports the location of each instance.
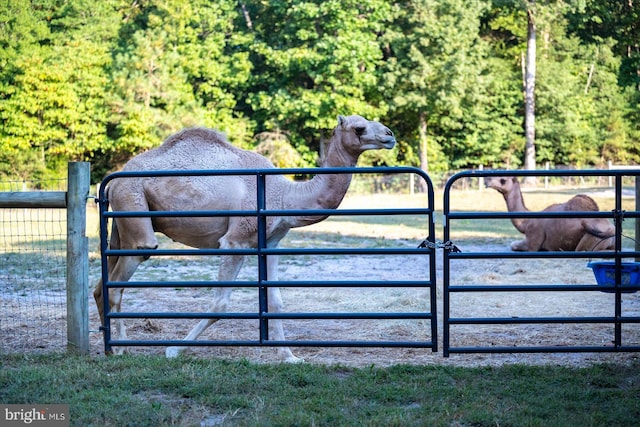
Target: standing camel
(555, 234)
(200, 148)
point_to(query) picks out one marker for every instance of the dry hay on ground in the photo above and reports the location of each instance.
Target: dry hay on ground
(463, 272)
(330, 299)
(498, 271)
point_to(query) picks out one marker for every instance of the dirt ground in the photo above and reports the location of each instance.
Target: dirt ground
(391, 299)
(350, 300)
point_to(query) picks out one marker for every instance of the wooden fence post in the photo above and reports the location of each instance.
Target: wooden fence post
(77, 258)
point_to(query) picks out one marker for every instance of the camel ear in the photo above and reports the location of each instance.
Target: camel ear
(341, 120)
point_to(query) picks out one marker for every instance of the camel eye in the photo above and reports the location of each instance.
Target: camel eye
(359, 131)
(502, 181)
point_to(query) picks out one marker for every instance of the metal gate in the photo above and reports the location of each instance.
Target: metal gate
(507, 325)
(426, 263)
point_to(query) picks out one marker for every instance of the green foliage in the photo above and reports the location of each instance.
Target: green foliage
(53, 91)
(175, 67)
(102, 81)
(313, 61)
(433, 74)
(276, 147)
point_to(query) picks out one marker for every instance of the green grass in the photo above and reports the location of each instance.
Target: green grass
(154, 391)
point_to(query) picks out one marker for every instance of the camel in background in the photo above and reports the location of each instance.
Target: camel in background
(200, 148)
(555, 234)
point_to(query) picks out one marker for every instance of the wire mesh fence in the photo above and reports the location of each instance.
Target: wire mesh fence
(32, 274)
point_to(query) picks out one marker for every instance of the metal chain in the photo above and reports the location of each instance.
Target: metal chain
(448, 245)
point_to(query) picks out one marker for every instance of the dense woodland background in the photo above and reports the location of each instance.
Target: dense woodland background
(103, 80)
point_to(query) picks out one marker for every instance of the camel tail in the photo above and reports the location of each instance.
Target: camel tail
(114, 240)
(114, 243)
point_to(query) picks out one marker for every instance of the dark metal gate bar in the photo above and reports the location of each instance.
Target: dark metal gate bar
(616, 319)
(261, 252)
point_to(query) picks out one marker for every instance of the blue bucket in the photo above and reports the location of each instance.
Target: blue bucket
(605, 272)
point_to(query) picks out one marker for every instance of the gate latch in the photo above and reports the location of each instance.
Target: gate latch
(448, 245)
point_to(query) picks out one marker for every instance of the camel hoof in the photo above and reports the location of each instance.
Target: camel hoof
(119, 351)
(173, 352)
(115, 352)
(293, 359)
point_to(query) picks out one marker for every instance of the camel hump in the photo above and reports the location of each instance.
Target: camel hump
(582, 202)
(197, 148)
(197, 134)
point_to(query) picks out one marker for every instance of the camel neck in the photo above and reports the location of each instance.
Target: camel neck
(337, 155)
(515, 203)
(514, 199)
(325, 190)
(331, 188)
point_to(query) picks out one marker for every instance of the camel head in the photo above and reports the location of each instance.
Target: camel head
(355, 135)
(503, 184)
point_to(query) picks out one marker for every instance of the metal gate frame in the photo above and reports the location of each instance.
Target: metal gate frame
(261, 252)
(616, 319)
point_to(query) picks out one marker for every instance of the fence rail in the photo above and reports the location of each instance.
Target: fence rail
(33, 199)
(261, 213)
(615, 320)
(616, 317)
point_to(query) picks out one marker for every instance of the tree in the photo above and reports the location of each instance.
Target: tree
(614, 27)
(176, 66)
(101, 81)
(580, 106)
(314, 60)
(432, 71)
(528, 64)
(529, 92)
(53, 84)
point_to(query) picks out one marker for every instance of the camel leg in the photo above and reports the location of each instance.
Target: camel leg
(599, 236)
(97, 291)
(520, 245)
(219, 305)
(114, 243)
(608, 244)
(120, 272)
(275, 306)
(120, 269)
(589, 242)
(229, 268)
(534, 239)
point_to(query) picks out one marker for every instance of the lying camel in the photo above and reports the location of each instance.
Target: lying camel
(200, 149)
(555, 234)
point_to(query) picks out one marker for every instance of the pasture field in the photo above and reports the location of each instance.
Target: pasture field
(350, 386)
(380, 231)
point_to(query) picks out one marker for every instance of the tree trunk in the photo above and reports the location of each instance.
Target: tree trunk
(424, 161)
(529, 96)
(246, 15)
(323, 148)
